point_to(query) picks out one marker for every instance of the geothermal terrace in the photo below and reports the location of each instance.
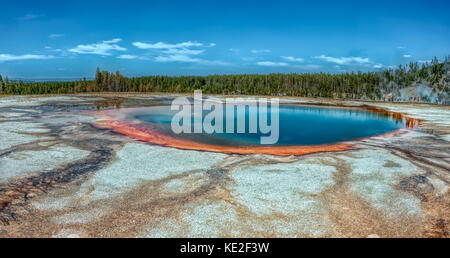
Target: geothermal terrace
(63, 175)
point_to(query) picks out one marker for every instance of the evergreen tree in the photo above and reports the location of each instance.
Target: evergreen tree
(360, 85)
(98, 79)
(1, 84)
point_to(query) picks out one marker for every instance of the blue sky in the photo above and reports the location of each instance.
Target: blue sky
(48, 39)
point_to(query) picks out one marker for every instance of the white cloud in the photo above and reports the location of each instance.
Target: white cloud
(8, 57)
(133, 57)
(188, 59)
(57, 50)
(127, 57)
(344, 60)
(112, 41)
(378, 66)
(55, 36)
(293, 59)
(180, 52)
(103, 48)
(308, 67)
(162, 45)
(259, 51)
(401, 47)
(407, 56)
(183, 51)
(273, 64)
(424, 61)
(213, 62)
(177, 58)
(29, 16)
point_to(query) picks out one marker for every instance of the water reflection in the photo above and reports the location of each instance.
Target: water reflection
(299, 125)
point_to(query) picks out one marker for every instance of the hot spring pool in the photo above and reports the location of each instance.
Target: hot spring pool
(302, 129)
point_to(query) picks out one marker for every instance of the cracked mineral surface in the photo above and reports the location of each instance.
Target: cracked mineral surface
(61, 175)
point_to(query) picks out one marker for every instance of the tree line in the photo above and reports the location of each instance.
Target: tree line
(359, 85)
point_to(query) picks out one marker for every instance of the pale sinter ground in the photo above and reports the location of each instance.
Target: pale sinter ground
(62, 177)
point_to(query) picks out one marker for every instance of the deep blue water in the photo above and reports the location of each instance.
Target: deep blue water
(299, 125)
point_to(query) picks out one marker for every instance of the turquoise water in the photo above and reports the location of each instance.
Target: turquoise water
(298, 125)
